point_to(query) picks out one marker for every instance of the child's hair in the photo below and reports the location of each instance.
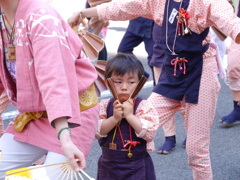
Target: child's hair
(122, 63)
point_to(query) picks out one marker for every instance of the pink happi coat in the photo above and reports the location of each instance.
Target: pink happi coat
(51, 72)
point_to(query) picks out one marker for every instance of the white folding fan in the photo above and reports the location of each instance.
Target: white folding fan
(56, 171)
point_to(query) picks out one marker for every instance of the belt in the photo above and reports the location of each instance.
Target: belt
(87, 100)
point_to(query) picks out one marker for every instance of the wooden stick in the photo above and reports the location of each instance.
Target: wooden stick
(86, 175)
(55, 172)
(75, 175)
(72, 174)
(80, 176)
(112, 88)
(67, 172)
(53, 169)
(61, 172)
(141, 83)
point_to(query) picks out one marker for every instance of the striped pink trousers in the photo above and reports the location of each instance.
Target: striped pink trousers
(198, 119)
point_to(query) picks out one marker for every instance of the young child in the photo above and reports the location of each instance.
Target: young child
(126, 126)
(189, 76)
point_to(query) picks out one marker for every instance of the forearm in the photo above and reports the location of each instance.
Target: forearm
(60, 123)
(77, 17)
(69, 149)
(107, 125)
(135, 122)
(89, 13)
(227, 19)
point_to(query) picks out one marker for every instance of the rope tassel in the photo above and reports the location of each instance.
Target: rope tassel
(181, 62)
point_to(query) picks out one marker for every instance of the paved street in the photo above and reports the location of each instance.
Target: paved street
(224, 140)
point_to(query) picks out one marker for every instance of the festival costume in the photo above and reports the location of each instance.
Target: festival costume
(49, 76)
(115, 163)
(233, 67)
(199, 94)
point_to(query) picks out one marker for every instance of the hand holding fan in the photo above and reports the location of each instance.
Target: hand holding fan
(95, 23)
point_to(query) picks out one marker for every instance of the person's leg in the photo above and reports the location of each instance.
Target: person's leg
(149, 43)
(169, 145)
(129, 42)
(169, 128)
(198, 120)
(182, 112)
(39, 161)
(184, 143)
(15, 154)
(233, 73)
(166, 109)
(234, 116)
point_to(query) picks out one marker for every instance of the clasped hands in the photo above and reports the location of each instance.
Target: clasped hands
(124, 110)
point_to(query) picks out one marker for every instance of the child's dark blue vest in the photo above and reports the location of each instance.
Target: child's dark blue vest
(124, 126)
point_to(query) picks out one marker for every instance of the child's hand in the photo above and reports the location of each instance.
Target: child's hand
(127, 108)
(117, 111)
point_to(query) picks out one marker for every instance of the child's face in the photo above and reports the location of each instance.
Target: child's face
(125, 85)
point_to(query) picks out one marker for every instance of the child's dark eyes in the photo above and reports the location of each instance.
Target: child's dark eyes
(117, 82)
